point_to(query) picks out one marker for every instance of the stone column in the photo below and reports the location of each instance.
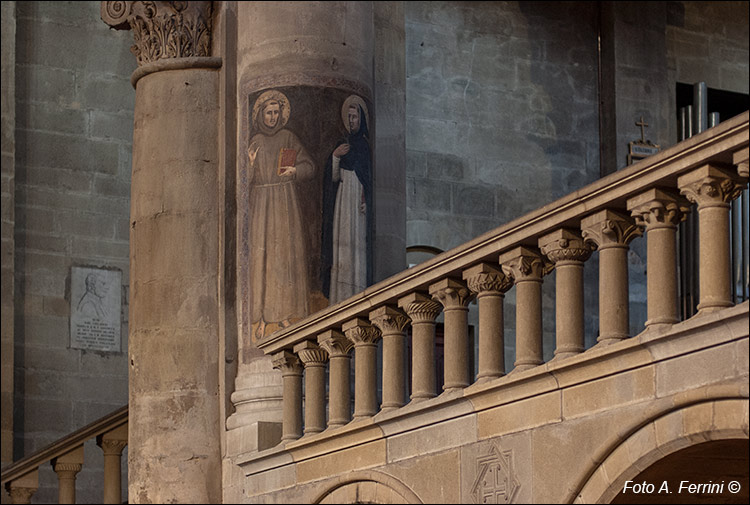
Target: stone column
(659, 211)
(391, 323)
(67, 467)
(712, 188)
(455, 297)
(291, 377)
(112, 444)
(174, 253)
(364, 336)
(22, 489)
(314, 358)
(566, 249)
(337, 346)
(489, 284)
(526, 266)
(611, 232)
(422, 310)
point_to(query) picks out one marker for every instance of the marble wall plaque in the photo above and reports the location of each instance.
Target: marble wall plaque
(95, 306)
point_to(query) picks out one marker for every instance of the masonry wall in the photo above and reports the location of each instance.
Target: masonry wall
(74, 127)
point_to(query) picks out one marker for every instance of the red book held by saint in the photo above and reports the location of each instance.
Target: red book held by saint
(287, 159)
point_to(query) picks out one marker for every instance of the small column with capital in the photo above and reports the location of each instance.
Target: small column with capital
(67, 467)
(489, 284)
(314, 359)
(659, 211)
(567, 250)
(455, 297)
(611, 232)
(423, 311)
(526, 266)
(337, 346)
(391, 323)
(712, 188)
(365, 337)
(291, 376)
(112, 444)
(23, 488)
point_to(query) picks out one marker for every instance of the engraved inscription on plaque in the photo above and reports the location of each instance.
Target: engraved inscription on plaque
(95, 304)
(496, 480)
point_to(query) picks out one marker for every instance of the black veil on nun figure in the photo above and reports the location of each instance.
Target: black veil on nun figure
(358, 160)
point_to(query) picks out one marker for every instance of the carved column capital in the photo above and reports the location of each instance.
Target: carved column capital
(608, 228)
(710, 186)
(420, 308)
(564, 245)
(163, 29)
(525, 264)
(361, 332)
(389, 320)
(657, 208)
(451, 294)
(310, 353)
(113, 447)
(288, 363)
(335, 343)
(484, 279)
(21, 494)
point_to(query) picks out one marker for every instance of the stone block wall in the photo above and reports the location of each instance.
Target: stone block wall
(73, 138)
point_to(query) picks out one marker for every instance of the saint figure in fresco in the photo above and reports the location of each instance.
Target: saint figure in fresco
(348, 206)
(278, 259)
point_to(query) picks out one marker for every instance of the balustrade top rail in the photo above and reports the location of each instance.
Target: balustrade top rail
(715, 145)
(64, 445)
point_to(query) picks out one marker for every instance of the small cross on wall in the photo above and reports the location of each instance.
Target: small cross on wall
(643, 125)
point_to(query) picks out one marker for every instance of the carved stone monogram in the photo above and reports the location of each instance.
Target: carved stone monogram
(163, 29)
(496, 480)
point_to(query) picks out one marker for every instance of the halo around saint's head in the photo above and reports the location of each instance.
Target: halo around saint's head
(272, 96)
(353, 100)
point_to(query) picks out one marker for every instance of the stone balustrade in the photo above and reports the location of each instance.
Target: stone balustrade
(646, 200)
(21, 479)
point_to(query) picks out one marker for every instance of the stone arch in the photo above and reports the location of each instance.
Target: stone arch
(368, 487)
(710, 420)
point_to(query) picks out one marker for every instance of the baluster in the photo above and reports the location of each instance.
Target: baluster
(659, 211)
(291, 376)
(23, 488)
(391, 323)
(67, 467)
(423, 311)
(712, 188)
(112, 444)
(337, 346)
(365, 337)
(566, 249)
(489, 284)
(526, 266)
(455, 297)
(611, 232)
(314, 359)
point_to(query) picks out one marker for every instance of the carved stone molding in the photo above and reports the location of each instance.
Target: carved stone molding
(564, 245)
(486, 279)
(361, 332)
(451, 294)
(710, 186)
(288, 363)
(163, 29)
(420, 308)
(335, 343)
(311, 354)
(389, 320)
(609, 229)
(740, 159)
(658, 208)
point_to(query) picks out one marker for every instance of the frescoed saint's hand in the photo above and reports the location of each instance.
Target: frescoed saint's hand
(252, 152)
(341, 150)
(287, 171)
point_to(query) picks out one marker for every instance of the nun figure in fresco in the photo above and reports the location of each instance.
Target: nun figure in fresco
(278, 260)
(346, 226)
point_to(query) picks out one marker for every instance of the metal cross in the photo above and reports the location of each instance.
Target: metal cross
(642, 124)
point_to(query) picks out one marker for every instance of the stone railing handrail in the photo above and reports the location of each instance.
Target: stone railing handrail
(110, 432)
(714, 146)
